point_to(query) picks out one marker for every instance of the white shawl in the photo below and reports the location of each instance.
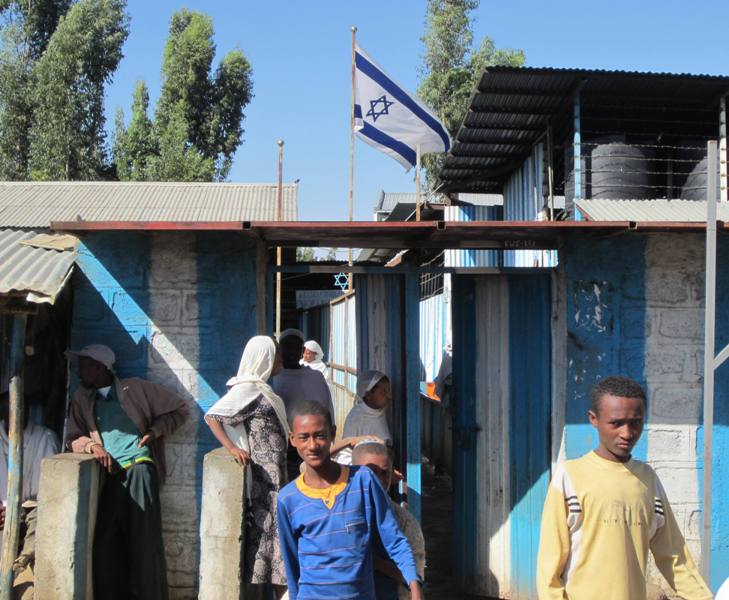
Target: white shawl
(254, 371)
(317, 364)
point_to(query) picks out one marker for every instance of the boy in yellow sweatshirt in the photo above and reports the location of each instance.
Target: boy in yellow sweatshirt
(605, 510)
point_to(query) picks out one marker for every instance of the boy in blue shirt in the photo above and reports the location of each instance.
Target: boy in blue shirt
(329, 517)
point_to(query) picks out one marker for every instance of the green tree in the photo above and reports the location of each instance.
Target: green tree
(67, 137)
(136, 145)
(305, 255)
(452, 67)
(27, 27)
(198, 120)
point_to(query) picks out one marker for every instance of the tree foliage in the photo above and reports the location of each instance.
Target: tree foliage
(452, 66)
(197, 124)
(56, 58)
(67, 136)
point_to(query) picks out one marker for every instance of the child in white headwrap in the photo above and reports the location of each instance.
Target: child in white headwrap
(368, 417)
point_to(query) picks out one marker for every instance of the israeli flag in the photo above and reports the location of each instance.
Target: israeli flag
(390, 119)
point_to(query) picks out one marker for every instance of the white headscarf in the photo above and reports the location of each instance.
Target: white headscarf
(254, 371)
(317, 364)
(363, 420)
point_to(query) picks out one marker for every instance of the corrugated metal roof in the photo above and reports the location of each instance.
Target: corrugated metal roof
(388, 201)
(36, 204)
(513, 106)
(37, 273)
(686, 211)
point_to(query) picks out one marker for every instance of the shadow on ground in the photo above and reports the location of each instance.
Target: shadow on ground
(440, 583)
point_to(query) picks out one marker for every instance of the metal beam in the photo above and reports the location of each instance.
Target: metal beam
(709, 358)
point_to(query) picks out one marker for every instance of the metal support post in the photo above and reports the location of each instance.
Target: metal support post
(11, 534)
(411, 380)
(709, 361)
(577, 154)
(722, 151)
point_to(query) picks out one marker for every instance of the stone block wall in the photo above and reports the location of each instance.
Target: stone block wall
(177, 308)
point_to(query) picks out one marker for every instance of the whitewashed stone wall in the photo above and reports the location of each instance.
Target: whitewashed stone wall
(674, 329)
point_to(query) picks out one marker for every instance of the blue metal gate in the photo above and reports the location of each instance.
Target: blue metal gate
(502, 381)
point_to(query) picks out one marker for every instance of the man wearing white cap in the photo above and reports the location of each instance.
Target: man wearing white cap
(123, 423)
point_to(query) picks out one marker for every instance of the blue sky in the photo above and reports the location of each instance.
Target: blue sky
(300, 54)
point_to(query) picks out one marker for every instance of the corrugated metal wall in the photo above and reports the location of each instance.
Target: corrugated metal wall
(502, 429)
(523, 201)
(343, 355)
(473, 258)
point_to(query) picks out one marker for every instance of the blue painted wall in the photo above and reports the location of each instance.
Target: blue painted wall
(200, 291)
(605, 282)
(111, 299)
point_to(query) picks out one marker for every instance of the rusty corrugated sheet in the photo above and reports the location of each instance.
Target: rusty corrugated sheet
(37, 273)
(36, 204)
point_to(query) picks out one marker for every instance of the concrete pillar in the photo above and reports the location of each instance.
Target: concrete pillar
(222, 526)
(67, 502)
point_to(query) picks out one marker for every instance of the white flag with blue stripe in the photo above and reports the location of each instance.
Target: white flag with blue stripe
(390, 119)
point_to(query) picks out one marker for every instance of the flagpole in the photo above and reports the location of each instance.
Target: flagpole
(351, 149)
(278, 248)
(417, 182)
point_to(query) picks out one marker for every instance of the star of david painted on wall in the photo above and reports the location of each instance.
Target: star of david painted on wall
(386, 104)
(341, 280)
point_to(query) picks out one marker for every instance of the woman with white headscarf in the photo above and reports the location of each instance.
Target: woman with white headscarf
(314, 358)
(250, 422)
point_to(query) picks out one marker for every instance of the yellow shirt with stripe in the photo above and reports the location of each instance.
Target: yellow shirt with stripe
(600, 520)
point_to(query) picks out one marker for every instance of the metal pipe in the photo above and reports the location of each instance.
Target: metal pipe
(11, 534)
(722, 151)
(351, 146)
(709, 351)
(577, 154)
(278, 248)
(417, 182)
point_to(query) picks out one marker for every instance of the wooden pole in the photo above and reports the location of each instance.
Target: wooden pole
(351, 147)
(417, 182)
(278, 248)
(11, 534)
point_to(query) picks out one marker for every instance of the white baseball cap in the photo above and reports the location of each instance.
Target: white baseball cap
(98, 352)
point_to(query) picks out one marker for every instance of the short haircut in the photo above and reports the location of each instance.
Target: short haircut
(370, 448)
(624, 387)
(309, 408)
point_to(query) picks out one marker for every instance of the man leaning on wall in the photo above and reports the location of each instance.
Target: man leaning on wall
(122, 423)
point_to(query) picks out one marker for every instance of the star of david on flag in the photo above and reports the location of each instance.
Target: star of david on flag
(395, 122)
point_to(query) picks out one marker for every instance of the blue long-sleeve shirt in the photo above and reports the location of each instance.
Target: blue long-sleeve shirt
(328, 552)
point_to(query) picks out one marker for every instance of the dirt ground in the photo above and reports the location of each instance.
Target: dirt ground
(438, 532)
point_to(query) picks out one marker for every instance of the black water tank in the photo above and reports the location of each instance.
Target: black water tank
(696, 182)
(621, 171)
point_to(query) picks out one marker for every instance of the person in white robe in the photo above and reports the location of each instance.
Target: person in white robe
(38, 443)
(314, 358)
